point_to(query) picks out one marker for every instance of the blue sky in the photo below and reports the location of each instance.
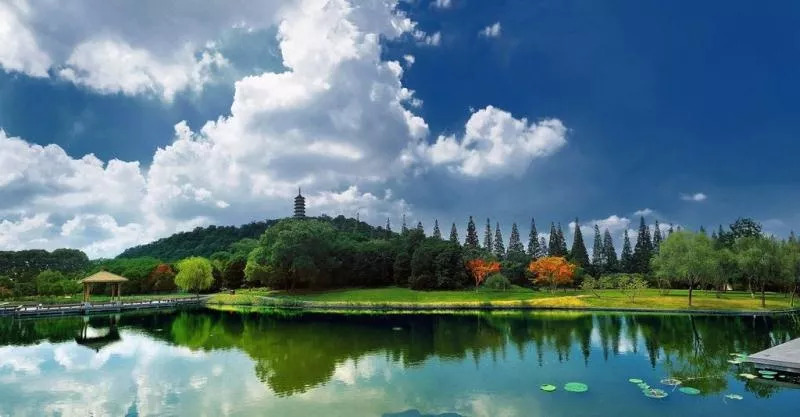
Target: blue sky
(214, 114)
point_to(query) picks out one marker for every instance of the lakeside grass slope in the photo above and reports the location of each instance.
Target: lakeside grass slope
(516, 297)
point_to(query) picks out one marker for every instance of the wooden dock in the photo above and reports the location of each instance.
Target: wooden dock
(784, 357)
(96, 308)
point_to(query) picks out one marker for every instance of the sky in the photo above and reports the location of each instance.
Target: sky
(123, 122)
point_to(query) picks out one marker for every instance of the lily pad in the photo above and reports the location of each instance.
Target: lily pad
(635, 380)
(643, 385)
(734, 397)
(734, 361)
(671, 381)
(576, 387)
(768, 376)
(748, 376)
(547, 387)
(689, 390)
(655, 393)
(767, 372)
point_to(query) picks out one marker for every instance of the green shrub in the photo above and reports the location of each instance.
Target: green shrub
(497, 282)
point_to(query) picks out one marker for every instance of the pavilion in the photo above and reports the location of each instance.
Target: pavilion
(103, 277)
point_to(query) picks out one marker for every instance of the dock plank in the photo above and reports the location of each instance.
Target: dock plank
(784, 357)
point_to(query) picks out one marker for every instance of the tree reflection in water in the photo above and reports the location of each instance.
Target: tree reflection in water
(296, 351)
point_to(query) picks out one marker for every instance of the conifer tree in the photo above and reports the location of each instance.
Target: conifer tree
(703, 230)
(388, 229)
(487, 237)
(609, 253)
(542, 248)
(454, 234)
(643, 251)
(670, 230)
(562, 242)
(792, 237)
(553, 244)
(533, 241)
(472, 235)
(626, 259)
(499, 247)
(578, 254)
(515, 246)
(436, 232)
(420, 228)
(403, 227)
(598, 263)
(656, 237)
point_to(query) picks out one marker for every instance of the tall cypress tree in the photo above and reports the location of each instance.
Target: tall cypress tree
(792, 237)
(499, 247)
(454, 234)
(553, 244)
(515, 246)
(533, 241)
(562, 242)
(388, 229)
(670, 230)
(420, 228)
(657, 237)
(472, 235)
(626, 259)
(598, 263)
(542, 248)
(487, 236)
(643, 250)
(578, 255)
(404, 228)
(436, 232)
(609, 253)
(703, 230)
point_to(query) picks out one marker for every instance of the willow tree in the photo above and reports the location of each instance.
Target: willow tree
(686, 257)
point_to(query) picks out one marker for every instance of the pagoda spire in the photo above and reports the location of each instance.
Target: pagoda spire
(299, 205)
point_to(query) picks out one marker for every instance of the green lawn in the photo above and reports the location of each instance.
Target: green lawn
(517, 297)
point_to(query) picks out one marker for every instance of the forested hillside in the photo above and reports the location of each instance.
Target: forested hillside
(202, 241)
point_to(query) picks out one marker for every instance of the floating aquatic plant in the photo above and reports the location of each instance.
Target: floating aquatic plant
(576, 387)
(547, 387)
(734, 397)
(767, 372)
(689, 390)
(734, 361)
(635, 380)
(670, 381)
(768, 376)
(748, 376)
(643, 385)
(655, 393)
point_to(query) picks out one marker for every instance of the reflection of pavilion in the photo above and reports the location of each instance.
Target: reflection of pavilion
(98, 342)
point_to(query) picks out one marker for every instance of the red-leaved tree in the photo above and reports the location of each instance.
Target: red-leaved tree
(552, 271)
(480, 269)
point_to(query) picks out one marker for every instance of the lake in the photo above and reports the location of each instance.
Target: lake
(279, 363)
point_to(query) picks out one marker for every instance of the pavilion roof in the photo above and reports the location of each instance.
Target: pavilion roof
(103, 277)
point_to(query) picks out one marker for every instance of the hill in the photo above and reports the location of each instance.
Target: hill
(204, 241)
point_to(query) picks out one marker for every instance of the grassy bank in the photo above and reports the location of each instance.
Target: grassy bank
(517, 297)
(100, 298)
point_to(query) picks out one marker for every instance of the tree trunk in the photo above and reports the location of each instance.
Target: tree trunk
(791, 302)
(763, 297)
(750, 287)
(691, 285)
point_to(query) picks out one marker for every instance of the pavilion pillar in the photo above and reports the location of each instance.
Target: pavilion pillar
(119, 291)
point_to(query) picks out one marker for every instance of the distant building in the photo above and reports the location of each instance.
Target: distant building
(299, 205)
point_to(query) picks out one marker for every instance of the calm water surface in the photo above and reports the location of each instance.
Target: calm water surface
(212, 363)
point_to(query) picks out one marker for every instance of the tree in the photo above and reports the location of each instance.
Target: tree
(533, 241)
(472, 235)
(760, 259)
(702, 230)
(670, 230)
(487, 237)
(657, 237)
(403, 227)
(453, 234)
(598, 263)
(499, 247)
(542, 248)
(162, 278)
(436, 232)
(296, 252)
(388, 229)
(792, 260)
(578, 254)
(420, 228)
(552, 271)
(626, 259)
(515, 245)
(480, 269)
(686, 257)
(562, 242)
(609, 253)
(592, 285)
(643, 251)
(194, 274)
(553, 245)
(745, 227)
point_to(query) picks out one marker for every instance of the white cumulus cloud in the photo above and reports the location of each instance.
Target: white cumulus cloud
(491, 31)
(696, 197)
